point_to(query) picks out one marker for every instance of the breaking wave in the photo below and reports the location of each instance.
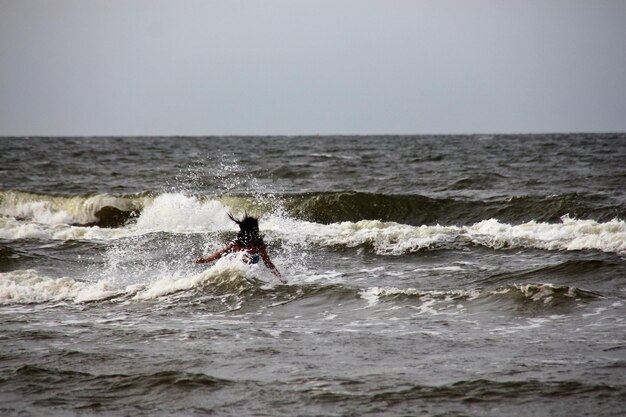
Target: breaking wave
(101, 210)
(398, 239)
(178, 213)
(106, 210)
(228, 277)
(515, 295)
(228, 285)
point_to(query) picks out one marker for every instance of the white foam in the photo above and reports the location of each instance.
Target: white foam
(570, 234)
(27, 286)
(16, 229)
(179, 213)
(543, 292)
(55, 210)
(412, 292)
(227, 277)
(218, 275)
(389, 238)
(175, 213)
(41, 212)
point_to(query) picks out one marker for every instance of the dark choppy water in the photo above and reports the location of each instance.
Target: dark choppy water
(428, 276)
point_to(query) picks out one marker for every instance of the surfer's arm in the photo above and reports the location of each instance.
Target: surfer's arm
(214, 256)
(268, 263)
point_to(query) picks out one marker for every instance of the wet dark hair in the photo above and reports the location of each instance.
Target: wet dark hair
(248, 231)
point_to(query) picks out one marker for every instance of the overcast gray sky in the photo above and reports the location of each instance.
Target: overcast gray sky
(185, 67)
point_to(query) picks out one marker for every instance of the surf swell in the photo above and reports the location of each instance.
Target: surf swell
(30, 287)
(101, 210)
(106, 210)
(417, 210)
(227, 287)
(24, 216)
(398, 239)
(515, 296)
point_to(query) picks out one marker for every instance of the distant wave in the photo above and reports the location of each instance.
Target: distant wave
(106, 210)
(178, 213)
(417, 210)
(103, 210)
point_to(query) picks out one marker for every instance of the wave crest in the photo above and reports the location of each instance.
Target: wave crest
(107, 210)
(516, 296)
(179, 213)
(397, 239)
(101, 210)
(28, 287)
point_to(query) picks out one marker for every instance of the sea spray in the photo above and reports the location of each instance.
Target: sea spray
(178, 213)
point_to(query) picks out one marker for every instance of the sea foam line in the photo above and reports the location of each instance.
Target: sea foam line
(178, 213)
(229, 277)
(388, 238)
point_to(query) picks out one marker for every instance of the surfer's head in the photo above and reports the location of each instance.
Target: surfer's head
(248, 230)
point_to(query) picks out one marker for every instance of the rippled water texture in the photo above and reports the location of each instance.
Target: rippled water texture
(427, 276)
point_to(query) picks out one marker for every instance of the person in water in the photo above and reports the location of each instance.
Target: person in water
(248, 240)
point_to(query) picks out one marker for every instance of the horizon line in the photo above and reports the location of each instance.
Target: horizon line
(309, 135)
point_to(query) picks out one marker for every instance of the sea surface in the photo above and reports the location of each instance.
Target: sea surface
(427, 276)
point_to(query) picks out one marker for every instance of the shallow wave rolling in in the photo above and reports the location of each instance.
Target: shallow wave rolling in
(455, 277)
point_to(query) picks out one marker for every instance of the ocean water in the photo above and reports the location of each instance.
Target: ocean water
(427, 276)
